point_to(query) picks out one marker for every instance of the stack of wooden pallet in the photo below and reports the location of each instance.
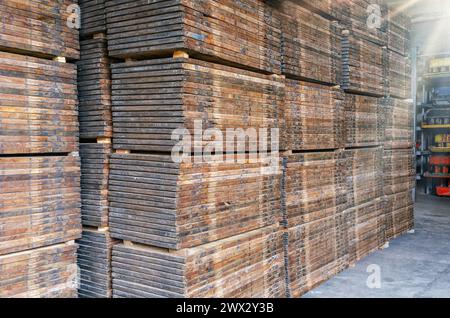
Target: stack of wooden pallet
(247, 265)
(312, 117)
(314, 199)
(152, 98)
(398, 118)
(94, 89)
(95, 117)
(363, 121)
(238, 32)
(39, 163)
(310, 44)
(38, 28)
(399, 158)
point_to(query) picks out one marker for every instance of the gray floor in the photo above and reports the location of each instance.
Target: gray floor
(415, 265)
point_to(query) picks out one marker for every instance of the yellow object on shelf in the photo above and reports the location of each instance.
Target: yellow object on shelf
(425, 126)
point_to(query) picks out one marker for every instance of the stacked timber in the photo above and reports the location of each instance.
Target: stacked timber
(95, 116)
(38, 101)
(399, 170)
(39, 161)
(398, 75)
(314, 199)
(398, 32)
(398, 123)
(310, 44)
(316, 251)
(157, 202)
(368, 231)
(38, 28)
(362, 66)
(365, 19)
(94, 89)
(93, 17)
(245, 33)
(364, 178)
(312, 117)
(47, 272)
(94, 183)
(331, 9)
(363, 121)
(399, 210)
(246, 265)
(40, 202)
(94, 261)
(152, 98)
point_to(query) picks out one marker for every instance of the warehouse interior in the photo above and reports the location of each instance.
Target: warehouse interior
(225, 149)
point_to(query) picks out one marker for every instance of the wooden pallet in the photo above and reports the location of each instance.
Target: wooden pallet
(239, 32)
(363, 121)
(38, 105)
(157, 202)
(47, 272)
(316, 251)
(398, 32)
(313, 117)
(310, 44)
(38, 28)
(362, 66)
(152, 98)
(399, 211)
(249, 265)
(93, 17)
(398, 75)
(94, 183)
(94, 261)
(368, 230)
(314, 186)
(94, 89)
(40, 202)
(398, 123)
(399, 170)
(364, 175)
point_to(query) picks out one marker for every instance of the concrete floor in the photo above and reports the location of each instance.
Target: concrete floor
(415, 265)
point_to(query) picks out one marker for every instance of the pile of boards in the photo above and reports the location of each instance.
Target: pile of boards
(177, 227)
(39, 162)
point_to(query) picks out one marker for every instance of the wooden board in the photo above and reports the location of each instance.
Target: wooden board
(364, 175)
(363, 121)
(316, 251)
(398, 123)
(38, 28)
(94, 183)
(240, 32)
(398, 32)
(157, 202)
(94, 90)
(362, 66)
(313, 117)
(38, 105)
(154, 97)
(94, 261)
(314, 186)
(399, 170)
(357, 16)
(93, 17)
(310, 45)
(398, 75)
(249, 265)
(399, 210)
(330, 9)
(48, 272)
(40, 202)
(368, 230)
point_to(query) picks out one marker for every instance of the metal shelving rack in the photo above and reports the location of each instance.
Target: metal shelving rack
(433, 119)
